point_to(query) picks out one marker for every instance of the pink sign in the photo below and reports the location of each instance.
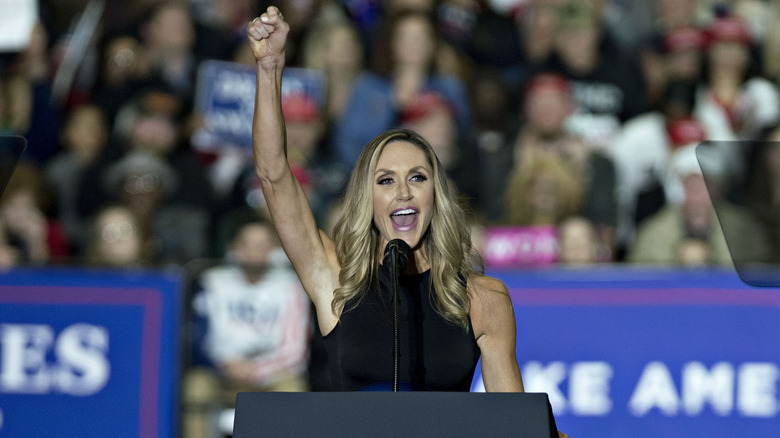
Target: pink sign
(512, 247)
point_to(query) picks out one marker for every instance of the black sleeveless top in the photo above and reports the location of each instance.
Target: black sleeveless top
(435, 355)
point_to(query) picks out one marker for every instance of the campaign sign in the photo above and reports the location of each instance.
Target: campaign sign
(518, 247)
(225, 99)
(649, 353)
(88, 353)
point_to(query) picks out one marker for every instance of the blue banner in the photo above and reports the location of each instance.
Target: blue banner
(88, 353)
(620, 352)
(643, 353)
(225, 99)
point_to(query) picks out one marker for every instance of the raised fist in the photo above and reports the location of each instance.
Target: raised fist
(268, 34)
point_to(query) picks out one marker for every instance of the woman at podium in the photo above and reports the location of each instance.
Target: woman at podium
(449, 315)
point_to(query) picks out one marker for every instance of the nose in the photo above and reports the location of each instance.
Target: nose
(404, 194)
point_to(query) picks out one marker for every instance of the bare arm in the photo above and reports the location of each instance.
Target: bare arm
(309, 250)
(493, 319)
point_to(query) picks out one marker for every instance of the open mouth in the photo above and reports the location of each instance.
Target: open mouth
(404, 219)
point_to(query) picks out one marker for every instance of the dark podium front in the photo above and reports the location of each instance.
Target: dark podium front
(393, 414)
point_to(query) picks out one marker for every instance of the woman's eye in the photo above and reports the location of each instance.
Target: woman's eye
(384, 181)
(419, 178)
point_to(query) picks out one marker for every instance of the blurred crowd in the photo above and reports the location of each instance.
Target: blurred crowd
(570, 128)
(571, 120)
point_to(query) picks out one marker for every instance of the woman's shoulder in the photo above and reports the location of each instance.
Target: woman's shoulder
(490, 303)
(487, 290)
(482, 282)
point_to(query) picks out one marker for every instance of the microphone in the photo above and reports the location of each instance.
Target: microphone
(396, 258)
(397, 250)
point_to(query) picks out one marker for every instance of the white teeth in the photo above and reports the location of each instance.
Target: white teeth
(405, 211)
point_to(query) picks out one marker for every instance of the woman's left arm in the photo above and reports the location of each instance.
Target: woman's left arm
(493, 319)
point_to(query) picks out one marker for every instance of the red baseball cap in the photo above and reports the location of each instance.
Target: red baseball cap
(728, 29)
(682, 38)
(424, 104)
(547, 81)
(300, 107)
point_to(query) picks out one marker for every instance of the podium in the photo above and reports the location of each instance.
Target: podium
(393, 414)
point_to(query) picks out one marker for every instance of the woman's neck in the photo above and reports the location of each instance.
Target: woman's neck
(418, 262)
(417, 257)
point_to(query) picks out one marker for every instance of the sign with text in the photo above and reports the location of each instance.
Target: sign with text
(649, 353)
(519, 246)
(225, 99)
(88, 353)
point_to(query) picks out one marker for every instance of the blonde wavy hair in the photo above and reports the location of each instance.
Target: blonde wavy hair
(447, 240)
(568, 190)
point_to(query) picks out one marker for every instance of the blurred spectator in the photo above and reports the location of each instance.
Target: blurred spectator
(539, 195)
(142, 182)
(578, 243)
(642, 152)
(403, 67)
(514, 42)
(452, 61)
(431, 116)
(547, 106)
(253, 327)
(544, 192)
(495, 119)
(117, 240)
(83, 138)
(626, 21)
(665, 237)
(372, 17)
(670, 14)
(147, 185)
(678, 55)
(734, 104)
(683, 48)
(151, 122)
(672, 46)
(335, 48)
(606, 84)
(168, 36)
(26, 87)
(538, 26)
(123, 68)
(29, 225)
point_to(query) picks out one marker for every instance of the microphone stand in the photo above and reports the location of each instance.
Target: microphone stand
(397, 256)
(396, 337)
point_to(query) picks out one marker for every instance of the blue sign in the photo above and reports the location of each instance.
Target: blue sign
(649, 353)
(225, 99)
(88, 353)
